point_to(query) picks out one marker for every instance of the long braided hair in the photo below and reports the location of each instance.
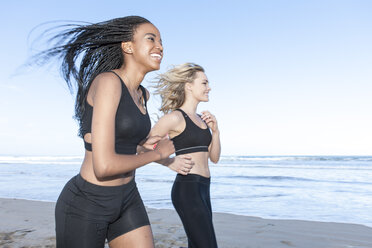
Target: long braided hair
(95, 47)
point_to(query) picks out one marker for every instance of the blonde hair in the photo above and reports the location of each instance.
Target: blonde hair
(171, 85)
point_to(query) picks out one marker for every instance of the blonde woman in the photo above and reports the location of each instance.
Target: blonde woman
(197, 136)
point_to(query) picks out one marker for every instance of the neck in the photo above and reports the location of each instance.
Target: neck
(190, 106)
(132, 76)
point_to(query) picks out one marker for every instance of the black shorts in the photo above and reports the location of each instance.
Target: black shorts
(87, 214)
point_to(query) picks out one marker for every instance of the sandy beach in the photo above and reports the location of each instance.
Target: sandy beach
(26, 223)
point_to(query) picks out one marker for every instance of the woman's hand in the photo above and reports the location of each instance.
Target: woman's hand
(210, 120)
(181, 164)
(150, 142)
(164, 147)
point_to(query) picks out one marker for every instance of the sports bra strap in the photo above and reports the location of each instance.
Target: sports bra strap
(144, 94)
(88, 146)
(183, 113)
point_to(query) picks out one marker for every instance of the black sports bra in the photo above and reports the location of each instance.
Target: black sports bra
(192, 139)
(131, 125)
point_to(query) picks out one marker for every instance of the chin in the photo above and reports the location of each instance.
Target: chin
(155, 67)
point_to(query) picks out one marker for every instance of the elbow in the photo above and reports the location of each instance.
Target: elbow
(101, 169)
(215, 160)
(102, 166)
(101, 172)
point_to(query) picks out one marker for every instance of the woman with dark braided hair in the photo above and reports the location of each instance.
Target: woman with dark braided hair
(102, 201)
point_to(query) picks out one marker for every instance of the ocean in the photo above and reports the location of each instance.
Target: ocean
(318, 188)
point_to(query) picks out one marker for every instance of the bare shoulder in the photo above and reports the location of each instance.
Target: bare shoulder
(106, 81)
(106, 85)
(176, 121)
(174, 117)
(171, 124)
(171, 121)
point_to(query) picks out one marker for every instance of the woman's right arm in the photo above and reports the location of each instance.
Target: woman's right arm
(106, 162)
(168, 124)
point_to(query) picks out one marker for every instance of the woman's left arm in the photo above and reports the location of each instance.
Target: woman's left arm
(215, 146)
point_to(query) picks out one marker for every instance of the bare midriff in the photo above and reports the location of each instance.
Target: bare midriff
(201, 164)
(87, 172)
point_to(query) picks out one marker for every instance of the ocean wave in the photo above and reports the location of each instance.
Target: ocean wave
(249, 158)
(286, 178)
(41, 159)
(353, 167)
(273, 178)
(295, 158)
(250, 196)
(224, 159)
(142, 179)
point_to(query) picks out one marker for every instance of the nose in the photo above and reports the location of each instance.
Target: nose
(159, 46)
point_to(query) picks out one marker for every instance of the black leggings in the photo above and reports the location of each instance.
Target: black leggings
(191, 199)
(87, 214)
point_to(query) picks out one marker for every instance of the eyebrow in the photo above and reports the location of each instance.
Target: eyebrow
(152, 34)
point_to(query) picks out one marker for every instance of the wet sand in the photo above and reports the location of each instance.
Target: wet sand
(29, 224)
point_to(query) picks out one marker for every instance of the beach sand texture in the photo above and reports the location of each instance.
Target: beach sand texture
(29, 224)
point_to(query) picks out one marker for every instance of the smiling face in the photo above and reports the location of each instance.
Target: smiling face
(146, 47)
(199, 88)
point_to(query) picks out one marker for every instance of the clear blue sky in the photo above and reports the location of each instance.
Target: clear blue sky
(287, 77)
